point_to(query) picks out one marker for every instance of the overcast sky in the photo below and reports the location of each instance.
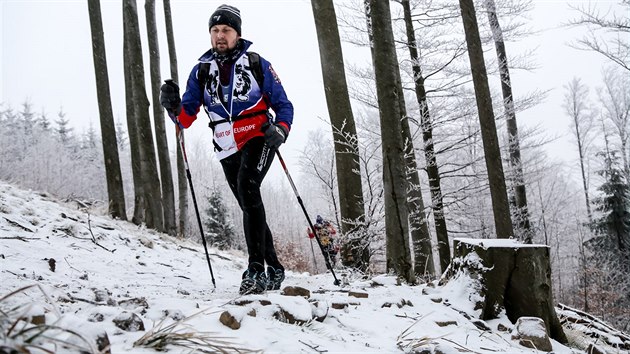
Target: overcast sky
(46, 58)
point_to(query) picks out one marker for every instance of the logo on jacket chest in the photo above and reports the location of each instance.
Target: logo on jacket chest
(242, 84)
(241, 87)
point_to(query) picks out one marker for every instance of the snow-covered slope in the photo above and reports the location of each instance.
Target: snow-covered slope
(106, 270)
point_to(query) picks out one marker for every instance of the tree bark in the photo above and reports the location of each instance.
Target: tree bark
(166, 176)
(437, 201)
(420, 237)
(354, 253)
(150, 179)
(498, 193)
(182, 183)
(132, 128)
(514, 150)
(388, 88)
(115, 190)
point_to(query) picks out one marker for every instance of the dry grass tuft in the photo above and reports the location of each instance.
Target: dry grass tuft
(181, 334)
(19, 335)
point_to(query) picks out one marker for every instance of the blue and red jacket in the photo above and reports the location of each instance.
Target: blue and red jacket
(246, 110)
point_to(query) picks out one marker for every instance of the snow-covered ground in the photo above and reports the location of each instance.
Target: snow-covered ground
(106, 269)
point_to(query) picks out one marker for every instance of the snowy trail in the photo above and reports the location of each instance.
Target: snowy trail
(160, 278)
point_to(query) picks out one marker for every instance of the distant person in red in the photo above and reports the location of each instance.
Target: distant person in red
(326, 233)
(245, 134)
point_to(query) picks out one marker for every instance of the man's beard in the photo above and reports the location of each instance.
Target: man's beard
(228, 54)
(223, 50)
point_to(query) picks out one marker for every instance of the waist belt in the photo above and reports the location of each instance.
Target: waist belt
(214, 123)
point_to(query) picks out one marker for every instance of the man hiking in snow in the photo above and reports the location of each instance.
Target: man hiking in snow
(326, 233)
(237, 88)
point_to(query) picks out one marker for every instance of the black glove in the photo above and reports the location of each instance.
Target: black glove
(275, 134)
(169, 97)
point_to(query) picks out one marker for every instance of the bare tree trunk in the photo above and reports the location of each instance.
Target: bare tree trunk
(514, 149)
(576, 107)
(132, 128)
(168, 194)
(498, 193)
(437, 204)
(388, 88)
(182, 186)
(420, 237)
(355, 253)
(115, 190)
(150, 179)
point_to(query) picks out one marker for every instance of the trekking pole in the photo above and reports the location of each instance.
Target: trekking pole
(180, 137)
(313, 250)
(310, 224)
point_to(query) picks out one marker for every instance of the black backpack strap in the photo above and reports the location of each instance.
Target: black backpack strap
(203, 74)
(256, 67)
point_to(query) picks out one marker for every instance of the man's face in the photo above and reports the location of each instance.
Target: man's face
(223, 38)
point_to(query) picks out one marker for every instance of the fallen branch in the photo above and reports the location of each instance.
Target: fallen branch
(463, 348)
(69, 265)
(74, 298)
(93, 237)
(315, 348)
(17, 224)
(188, 248)
(25, 239)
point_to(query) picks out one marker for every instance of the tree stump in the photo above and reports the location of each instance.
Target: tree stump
(513, 276)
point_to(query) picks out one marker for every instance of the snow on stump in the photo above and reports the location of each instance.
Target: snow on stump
(512, 276)
(531, 333)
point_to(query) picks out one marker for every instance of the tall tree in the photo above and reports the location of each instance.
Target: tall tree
(132, 130)
(166, 176)
(113, 176)
(418, 229)
(615, 99)
(64, 132)
(614, 204)
(354, 253)
(609, 258)
(576, 106)
(148, 164)
(389, 92)
(437, 202)
(498, 193)
(182, 186)
(514, 146)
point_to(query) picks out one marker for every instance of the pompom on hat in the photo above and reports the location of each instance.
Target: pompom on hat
(226, 15)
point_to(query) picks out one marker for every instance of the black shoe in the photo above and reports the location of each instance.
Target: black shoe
(254, 280)
(276, 277)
